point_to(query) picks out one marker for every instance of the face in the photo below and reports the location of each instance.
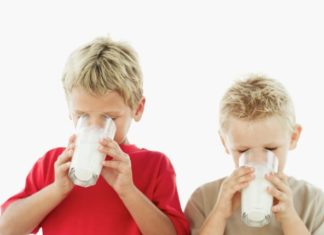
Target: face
(257, 135)
(97, 107)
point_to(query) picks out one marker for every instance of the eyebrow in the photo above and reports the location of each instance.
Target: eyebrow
(240, 147)
(78, 111)
(113, 113)
(271, 144)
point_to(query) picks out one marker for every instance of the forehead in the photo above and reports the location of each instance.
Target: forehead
(256, 133)
(81, 100)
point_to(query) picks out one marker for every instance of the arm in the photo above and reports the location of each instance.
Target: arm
(118, 173)
(147, 216)
(294, 226)
(36, 207)
(284, 208)
(31, 210)
(227, 202)
(214, 224)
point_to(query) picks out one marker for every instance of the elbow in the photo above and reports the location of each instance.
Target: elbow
(4, 227)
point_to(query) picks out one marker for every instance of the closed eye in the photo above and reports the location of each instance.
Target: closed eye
(112, 117)
(271, 149)
(77, 116)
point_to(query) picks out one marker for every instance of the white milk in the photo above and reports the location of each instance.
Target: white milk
(87, 159)
(86, 162)
(256, 202)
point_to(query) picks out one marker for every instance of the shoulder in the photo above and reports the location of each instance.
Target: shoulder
(304, 189)
(144, 152)
(209, 188)
(207, 193)
(151, 159)
(203, 199)
(309, 204)
(50, 156)
(307, 197)
(160, 158)
(44, 165)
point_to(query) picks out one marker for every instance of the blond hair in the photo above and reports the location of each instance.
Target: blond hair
(102, 66)
(257, 97)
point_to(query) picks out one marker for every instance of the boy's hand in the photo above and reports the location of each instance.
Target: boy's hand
(62, 181)
(283, 207)
(229, 195)
(117, 171)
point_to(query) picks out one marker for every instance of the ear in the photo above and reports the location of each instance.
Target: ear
(295, 136)
(222, 137)
(138, 112)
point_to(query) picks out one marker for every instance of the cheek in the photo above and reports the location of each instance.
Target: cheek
(122, 126)
(281, 156)
(235, 156)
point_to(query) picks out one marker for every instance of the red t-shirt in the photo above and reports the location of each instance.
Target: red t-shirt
(97, 209)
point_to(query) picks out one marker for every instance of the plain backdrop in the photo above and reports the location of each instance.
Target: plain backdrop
(190, 53)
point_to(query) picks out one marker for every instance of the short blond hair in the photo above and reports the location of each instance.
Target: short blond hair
(103, 66)
(256, 97)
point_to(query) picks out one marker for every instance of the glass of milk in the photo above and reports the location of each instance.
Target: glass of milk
(87, 159)
(256, 202)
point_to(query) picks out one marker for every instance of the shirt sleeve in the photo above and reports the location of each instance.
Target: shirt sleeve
(32, 185)
(194, 212)
(166, 197)
(318, 224)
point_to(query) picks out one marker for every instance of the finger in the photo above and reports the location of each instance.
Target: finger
(246, 178)
(111, 148)
(283, 177)
(279, 207)
(72, 139)
(231, 186)
(68, 151)
(105, 141)
(71, 143)
(277, 182)
(240, 186)
(277, 194)
(70, 146)
(63, 169)
(244, 170)
(239, 176)
(66, 156)
(117, 165)
(110, 151)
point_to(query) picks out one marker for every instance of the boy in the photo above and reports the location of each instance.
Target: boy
(136, 193)
(257, 114)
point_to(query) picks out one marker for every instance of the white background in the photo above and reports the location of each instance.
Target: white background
(190, 53)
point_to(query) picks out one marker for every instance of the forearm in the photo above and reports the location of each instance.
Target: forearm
(29, 211)
(295, 226)
(150, 220)
(214, 224)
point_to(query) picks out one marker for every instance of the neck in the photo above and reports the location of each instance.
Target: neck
(125, 141)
